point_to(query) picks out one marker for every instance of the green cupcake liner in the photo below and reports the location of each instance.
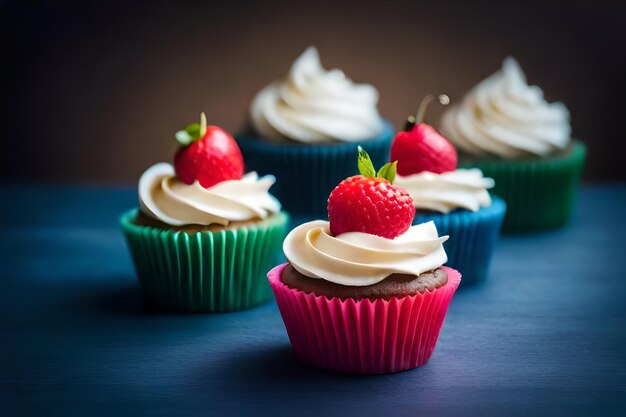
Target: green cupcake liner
(539, 193)
(205, 271)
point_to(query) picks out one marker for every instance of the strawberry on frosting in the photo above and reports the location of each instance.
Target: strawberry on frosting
(420, 148)
(369, 234)
(427, 168)
(370, 203)
(207, 154)
(206, 185)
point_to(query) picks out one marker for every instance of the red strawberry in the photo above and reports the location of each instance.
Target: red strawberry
(421, 148)
(208, 154)
(369, 202)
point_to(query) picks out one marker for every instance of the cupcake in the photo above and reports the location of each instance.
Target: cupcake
(457, 200)
(364, 292)
(305, 129)
(507, 129)
(204, 234)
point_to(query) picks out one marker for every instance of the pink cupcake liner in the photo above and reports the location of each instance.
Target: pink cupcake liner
(363, 336)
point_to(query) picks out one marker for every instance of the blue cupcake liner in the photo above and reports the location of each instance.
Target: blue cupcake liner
(473, 237)
(306, 174)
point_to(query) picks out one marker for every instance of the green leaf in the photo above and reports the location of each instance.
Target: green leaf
(194, 130)
(388, 171)
(366, 168)
(183, 137)
(190, 134)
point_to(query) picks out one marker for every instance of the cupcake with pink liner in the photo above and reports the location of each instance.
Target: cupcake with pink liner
(365, 292)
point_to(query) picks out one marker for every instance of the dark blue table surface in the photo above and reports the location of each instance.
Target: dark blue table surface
(545, 336)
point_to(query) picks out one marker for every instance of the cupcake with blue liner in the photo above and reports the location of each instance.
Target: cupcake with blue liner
(457, 200)
(305, 130)
(205, 233)
(505, 127)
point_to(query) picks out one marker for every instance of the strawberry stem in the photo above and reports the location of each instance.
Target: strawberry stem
(443, 99)
(192, 132)
(202, 124)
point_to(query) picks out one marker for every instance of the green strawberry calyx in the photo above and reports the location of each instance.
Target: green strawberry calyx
(192, 132)
(366, 167)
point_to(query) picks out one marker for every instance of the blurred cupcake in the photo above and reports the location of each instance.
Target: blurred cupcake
(306, 128)
(459, 204)
(457, 200)
(507, 129)
(204, 235)
(364, 292)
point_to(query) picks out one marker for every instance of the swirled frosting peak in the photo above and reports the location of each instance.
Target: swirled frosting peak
(463, 188)
(361, 259)
(505, 117)
(164, 197)
(314, 105)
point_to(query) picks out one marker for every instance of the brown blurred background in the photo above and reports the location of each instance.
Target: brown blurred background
(93, 92)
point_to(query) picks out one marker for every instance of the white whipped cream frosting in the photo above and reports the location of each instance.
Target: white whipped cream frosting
(314, 105)
(463, 188)
(505, 117)
(360, 259)
(164, 197)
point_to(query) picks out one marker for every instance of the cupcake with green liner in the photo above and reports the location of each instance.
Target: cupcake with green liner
(305, 129)
(365, 292)
(506, 128)
(204, 234)
(457, 200)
